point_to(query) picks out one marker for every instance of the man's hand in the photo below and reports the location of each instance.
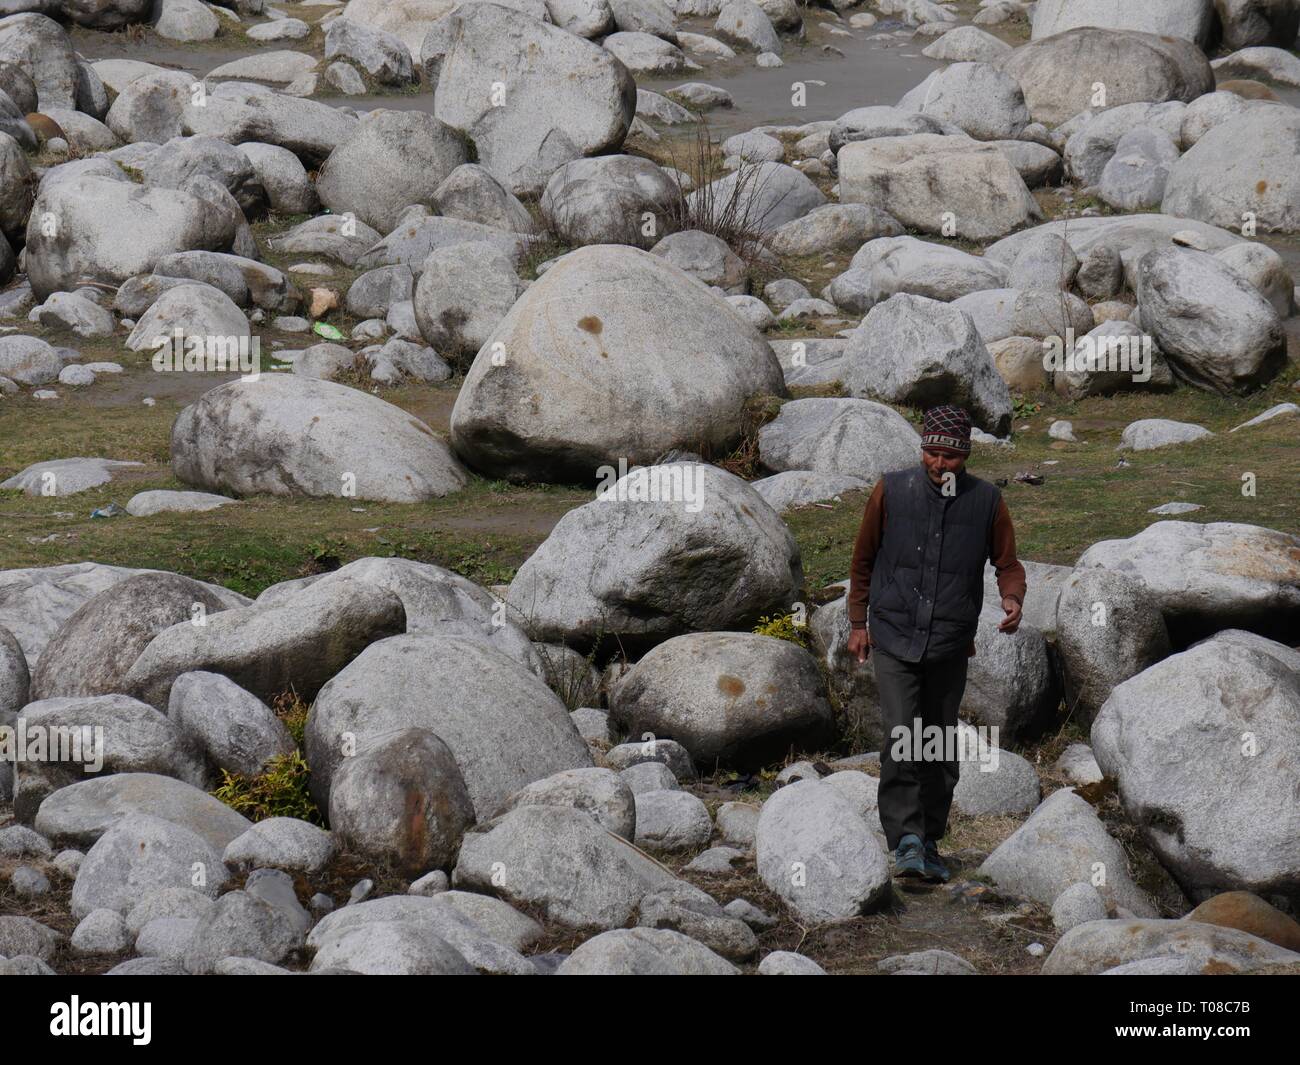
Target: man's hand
(1012, 621)
(859, 644)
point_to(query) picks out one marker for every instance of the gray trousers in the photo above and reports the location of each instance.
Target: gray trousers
(915, 796)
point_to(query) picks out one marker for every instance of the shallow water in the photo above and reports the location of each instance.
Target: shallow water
(875, 68)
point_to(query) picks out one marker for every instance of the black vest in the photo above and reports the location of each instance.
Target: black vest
(927, 584)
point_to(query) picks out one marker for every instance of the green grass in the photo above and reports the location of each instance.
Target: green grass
(485, 531)
(1085, 498)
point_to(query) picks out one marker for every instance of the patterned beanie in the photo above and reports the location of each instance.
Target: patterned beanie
(947, 429)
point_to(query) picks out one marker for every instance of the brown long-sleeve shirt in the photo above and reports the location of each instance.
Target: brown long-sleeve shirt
(1002, 553)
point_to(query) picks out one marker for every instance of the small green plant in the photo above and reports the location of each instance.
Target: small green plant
(292, 711)
(281, 791)
(1025, 408)
(783, 627)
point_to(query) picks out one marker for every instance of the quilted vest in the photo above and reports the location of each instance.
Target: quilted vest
(927, 584)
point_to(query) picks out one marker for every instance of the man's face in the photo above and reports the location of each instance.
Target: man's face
(937, 463)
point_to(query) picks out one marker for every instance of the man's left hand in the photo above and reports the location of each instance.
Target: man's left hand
(1012, 621)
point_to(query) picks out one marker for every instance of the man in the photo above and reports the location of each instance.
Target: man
(918, 565)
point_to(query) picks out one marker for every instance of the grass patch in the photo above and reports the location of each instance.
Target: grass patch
(279, 792)
(1086, 498)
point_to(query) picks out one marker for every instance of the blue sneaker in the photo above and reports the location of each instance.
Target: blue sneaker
(935, 867)
(909, 858)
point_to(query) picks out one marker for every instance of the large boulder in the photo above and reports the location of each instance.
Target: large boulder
(921, 352)
(384, 56)
(1205, 578)
(644, 53)
(93, 650)
(99, 229)
(665, 550)
(978, 98)
(299, 643)
(531, 97)
(41, 48)
(391, 160)
(463, 293)
(601, 793)
(1010, 683)
(141, 853)
(1258, 22)
(1216, 720)
(1108, 629)
(172, 165)
(241, 112)
(1239, 171)
(1064, 842)
(1059, 73)
(1192, 20)
(560, 863)
(401, 801)
(418, 934)
(194, 310)
(756, 199)
(587, 368)
(17, 189)
(1092, 145)
(1113, 239)
(117, 734)
(35, 602)
(850, 437)
(889, 265)
(31, 361)
(1215, 327)
(945, 185)
(472, 194)
(967, 44)
(282, 175)
(291, 435)
(1266, 270)
(644, 952)
(730, 698)
(77, 815)
(150, 107)
(833, 227)
(745, 24)
(707, 258)
(1135, 177)
(817, 852)
(414, 240)
(436, 600)
(503, 726)
(408, 20)
(1036, 313)
(612, 199)
(864, 123)
(235, 730)
(1163, 948)
(246, 281)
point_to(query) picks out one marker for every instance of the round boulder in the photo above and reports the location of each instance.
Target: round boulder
(730, 698)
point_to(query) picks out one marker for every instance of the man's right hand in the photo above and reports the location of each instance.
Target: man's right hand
(859, 644)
